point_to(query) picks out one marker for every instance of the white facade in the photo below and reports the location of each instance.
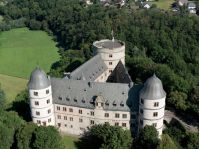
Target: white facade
(42, 110)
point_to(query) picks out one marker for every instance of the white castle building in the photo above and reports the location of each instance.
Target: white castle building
(99, 91)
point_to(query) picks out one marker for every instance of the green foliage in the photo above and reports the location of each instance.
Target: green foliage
(106, 137)
(167, 143)
(193, 141)
(2, 98)
(148, 138)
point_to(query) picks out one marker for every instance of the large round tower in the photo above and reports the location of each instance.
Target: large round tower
(40, 93)
(152, 104)
(111, 51)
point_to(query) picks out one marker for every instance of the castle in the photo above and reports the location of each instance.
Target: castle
(99, 91)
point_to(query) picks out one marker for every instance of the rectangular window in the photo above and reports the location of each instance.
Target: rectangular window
(48, 101)
(58, 116)
(142, 101)
(110, 63)
(124, 115)
(92, 113)
(71, 126)
(123, 124)
(58, 108)
(47, 91)
(38, 122)
(156, 104)
(71, 119)
(80, 120)
(110, 55)
(37, 113)
(141, 111)
(70, 110)
(116, 124)
(36, 93)
(106, 115)
(92, 122)
(49, 120)
(64, 108)
(80, 111)
(117, 115)
(141, 122)
(37, 103)
(154, 124)
(155, 114)
(110, 71)
(65, 117)
(59, 124)
(44, 123)
(49, 111)
(65, 125)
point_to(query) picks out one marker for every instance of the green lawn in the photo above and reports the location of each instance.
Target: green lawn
(12, 86)
(69, 142)
(21, 50)
(164, 4)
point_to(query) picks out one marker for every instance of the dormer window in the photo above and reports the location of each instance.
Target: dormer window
(122, 104)
(107, 103)
(60, 98)
(83, 100)
(67, 99)
(75, 99)
(114, 103)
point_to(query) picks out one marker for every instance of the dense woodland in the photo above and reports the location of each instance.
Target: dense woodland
(166, 43)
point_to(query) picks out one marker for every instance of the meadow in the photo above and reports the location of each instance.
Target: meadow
(21, 50)
(164, 4)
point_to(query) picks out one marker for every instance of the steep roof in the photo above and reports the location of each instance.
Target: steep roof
(152, 89)
(38, 79)
(81, 93)
(90, 70)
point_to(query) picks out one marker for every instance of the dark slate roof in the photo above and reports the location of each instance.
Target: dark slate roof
(81, 93)
(109, 44)
(120, 74)
(38, 79)
(152, 89)
(90, 70)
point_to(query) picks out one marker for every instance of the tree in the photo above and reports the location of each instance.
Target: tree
(2, 98)
(104, 136)
(148, 138)
(193, 141)
(46, 138)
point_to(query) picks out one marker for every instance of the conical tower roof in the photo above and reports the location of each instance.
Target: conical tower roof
(152, 89)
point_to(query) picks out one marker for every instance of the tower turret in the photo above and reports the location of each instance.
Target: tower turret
(152, 104)
(40, 94)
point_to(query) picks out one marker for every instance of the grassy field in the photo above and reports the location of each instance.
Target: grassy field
(12, 86)
(164, 4)
(69, 142)
(21, 50)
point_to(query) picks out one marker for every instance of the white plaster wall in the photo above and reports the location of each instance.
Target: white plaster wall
(148, 114)
(150, 122)
(41, 93)
(149, 104)
(43, 111)
(98, 118)
(52, 117)
(42, 102)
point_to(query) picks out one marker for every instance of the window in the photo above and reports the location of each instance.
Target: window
(65, 117)
(71, 119)
(37, 103)
(154, 124)
(106, 122)
(124, 115)
(49, 120)
(155, 114)
(58, 108)
(64, 108)
(47, 91)
(49, 111)
(82, 129)
(92, 122)
(106, 115)
(116, 124)
(110, 63)
(65, 125)
(48, 101)
(123, 124)
(80, 111)
(80, 120)
(58, 116)
(36, 93)
(71, 126)
(110, 71)
(44, 123)
(92, 113)
(38, 122)
(117, 115)
(102, 104)
(37, 113)
(141, 122)
(141, 111)
(156, 104)
(110, 55)
(70, 110)
(142, 101)
(59, 124)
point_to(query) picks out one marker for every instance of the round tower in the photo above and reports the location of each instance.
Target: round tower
(152, 104)
(40, 93)
(111, 51)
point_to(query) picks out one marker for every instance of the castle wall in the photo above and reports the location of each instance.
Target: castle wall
(76, 122)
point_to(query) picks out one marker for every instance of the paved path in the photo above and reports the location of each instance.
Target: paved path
(191, 126)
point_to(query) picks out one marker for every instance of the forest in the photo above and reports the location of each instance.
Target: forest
(157, 41)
